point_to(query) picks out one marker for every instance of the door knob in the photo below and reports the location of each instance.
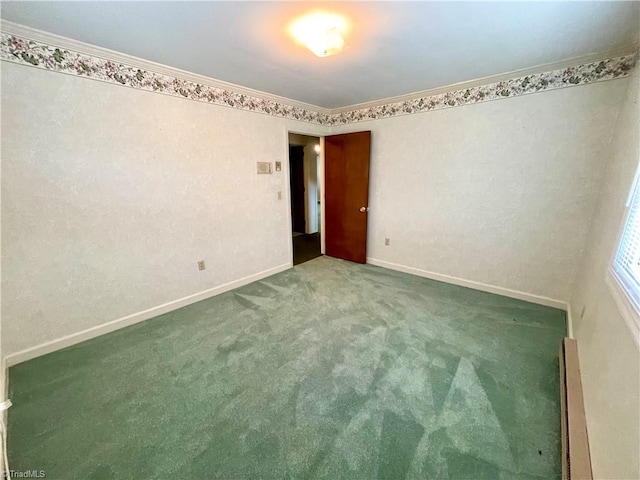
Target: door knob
(364, 209)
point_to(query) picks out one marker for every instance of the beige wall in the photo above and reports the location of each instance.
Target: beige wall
(499, 193)
(119, 192)
(111, 195)
(609, 357)
(3, 379)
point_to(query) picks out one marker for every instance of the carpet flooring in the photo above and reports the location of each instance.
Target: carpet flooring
(328, 370)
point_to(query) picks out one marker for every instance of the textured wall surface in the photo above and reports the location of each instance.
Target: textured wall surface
(3, 377)
(111, 196)
(609, 358)
(499, 193)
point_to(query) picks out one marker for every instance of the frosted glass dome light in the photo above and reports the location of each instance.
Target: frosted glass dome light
(322, 33)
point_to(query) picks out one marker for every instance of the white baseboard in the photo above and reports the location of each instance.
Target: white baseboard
(506, 292)
(569, 321)
(68, 340)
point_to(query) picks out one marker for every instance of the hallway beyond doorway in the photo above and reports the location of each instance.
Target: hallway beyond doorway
(305, 247)
(305, 180)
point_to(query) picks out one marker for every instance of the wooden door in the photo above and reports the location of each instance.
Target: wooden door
(296, 175)
(346, 170)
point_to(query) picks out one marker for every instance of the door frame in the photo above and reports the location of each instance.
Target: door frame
(310, 132)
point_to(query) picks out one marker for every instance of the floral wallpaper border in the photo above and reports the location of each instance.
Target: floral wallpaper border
(28, 52)
(568, 77)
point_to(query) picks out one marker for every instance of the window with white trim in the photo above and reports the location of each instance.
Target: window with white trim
(625, 267)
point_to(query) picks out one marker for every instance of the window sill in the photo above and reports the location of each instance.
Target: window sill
(626, 309)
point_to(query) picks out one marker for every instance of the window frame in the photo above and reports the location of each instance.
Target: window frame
(624, 290)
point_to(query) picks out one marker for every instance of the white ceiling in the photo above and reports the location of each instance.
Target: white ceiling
(394, 48)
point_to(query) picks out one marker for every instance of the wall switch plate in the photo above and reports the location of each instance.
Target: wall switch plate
(201, 265)
(278, 166)
(279, 195)
(264, 168)
(387, 242)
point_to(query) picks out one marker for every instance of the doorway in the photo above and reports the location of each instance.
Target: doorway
(305, 197)
(346, 195)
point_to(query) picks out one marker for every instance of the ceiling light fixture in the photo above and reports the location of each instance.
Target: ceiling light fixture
(322, 33)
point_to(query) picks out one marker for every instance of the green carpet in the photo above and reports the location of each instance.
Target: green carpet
(328, 370)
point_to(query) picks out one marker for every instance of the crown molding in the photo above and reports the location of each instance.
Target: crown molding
(621, 51)
(77, 46)
(609, 69)
(43, 50)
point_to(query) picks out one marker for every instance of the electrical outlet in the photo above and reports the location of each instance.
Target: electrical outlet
(387, 242)
(201, 265)
(279, 195)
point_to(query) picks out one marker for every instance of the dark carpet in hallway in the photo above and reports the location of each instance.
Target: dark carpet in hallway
(306, 247)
